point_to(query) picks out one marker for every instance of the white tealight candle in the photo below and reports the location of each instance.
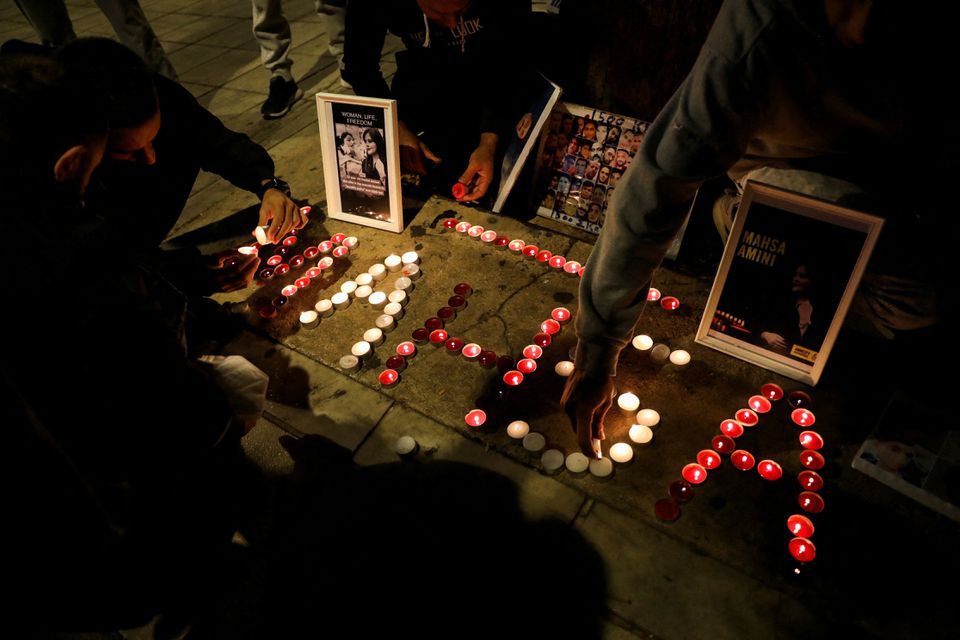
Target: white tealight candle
(518, 429)
(534, 441)
(247, 251)
(393, 262)
(399, 296)
(324, 307)
(385, 323)
(641, 434)
(349, 363)
(602, 468)
(679, 357)
(361, 349)
(374, 336)
(394, 309)
(378, 271)
(363, 291)
(621, 452)
(411, 271)
(363, 279)
(552, 460)
(309, 319)
(642, 342)
(660, 353)
(648, 417)
(564, 368)
(348, 287)
(261, 234)
(577, 462)
(377, 299)
(340, 300)
(405, 446)
(628, 401)
(410, 257)
(403, 283)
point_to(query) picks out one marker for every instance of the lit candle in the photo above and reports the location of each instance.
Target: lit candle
(265, 274)
(324, 307)
(289, 290)
(488, 236)
(742, 460)
(542, 340)
(802, 549)
(561, 314)
(340, 300)
(530, 250)
(534, 441)
(679, 357)
(601, 467)
(532, 351)
(475, 231)
(405, 446)
(274, 260)
(572, 268)
(247, 251)
(621, 452)
(810, 480)
(309, 319)
(550, 327)
(394, 309)
(648, 417)
(361, 349)
(577, 462)
(641, 434)
(311, 252)
(374, 336)
(810, 502)
(628, 401)
(501, 242)
(349, 287)
(364, 280)
(723, 444)
(526, 365)
(399, 296)
(279, 301)
(377, 299)
(363, 292)
(296, 262)
(340, 252)
(681, 491)
(411, 271)
(769, 470)
(475, 418)
(694, 473)
(463, 227)
(378, 271)
(453, 346)
(551, 460)
(642, 342)
(351, 241)
(544, 255)
(471, 351)
(289, 241)
(337, 238)
(410, 257)
(564, 368)
(803, 417)
(313, 272)
(513, 378)
(349, 363)
(325, 247)
(393, 262)
(325, 263)
(760, 404)
(438, 336)
(388, 377)
(747, 417)
(518, 429)
(731, 428)
(516, 245)
(385, 323)
(660, 353)
(403, 283)
(811, 459)
(557, 262)
(406, 349)
(708, 459)
(771, 392)
(261, 234)
(302, 283)
(811, 440)
(487, 358)
(653, 294)
(282, 269)
(800, 526)
(670, 303)
(799, 399)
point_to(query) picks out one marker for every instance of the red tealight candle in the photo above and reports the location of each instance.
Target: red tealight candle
(325, 263)
(542, 340)
(340, 252)
(449, 223)
(311, 252)
(800, 526)
(296, 261)
(723, 444)
(810, 502)
(803, 417)
(681, 491)
(667, 509)
(463, 289)
(471, 350)
(325, 247)
(305, 211)
(453, 345)
(527, 365)
(799, 399)
(289, 241)
(488, 236)
(550, 326)
(653, 294)
(572, 267)
(421, 334)
(694, 473)
(561, 314)
(513, 378)
(487, 358)
(557, 262)
(475, 231)
(289, 290)
(747, 417)
(274, 260)
(742, 460)
(433, 323)
(439, 336)
(530, 250)
(389, 377)
(501, 242)
(543, 255)
(810, 480)
(769, 470)
(446, 313)
(406, 349)
(708, 459)
(265, 274)
(337, 238)
(282, 251)
(475, 418)
(811, 440)
(759, 404)
(811, 459)
(731, 428)
(516, 245)
(279, 301)
(397, 363)
(771, 392)
(463, 227)
(457, 302)
(313, 272)
(302, 283)
(532, 351)
(802, 549)
(282, 269)
(582, 270)
(670, 303)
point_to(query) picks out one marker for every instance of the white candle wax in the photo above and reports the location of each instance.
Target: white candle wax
(534, 441)
(641, 434)
(247, 251)
(679, 357)
(648, 417)
(552, 460)
(340, 300)
(410, 257)
(385, 323)
(411, 271)
(642, 342)
(363, 279)
(601, 468)
(394, 309)
(361, 349)
(628, 401)
(378, 271)
(324, 307)
(261, 234)
(577, 462)
(374, 336)
(393, 262)
(309, 319)
(403, 283)
(399, 296)
(363, 291)
(349, 363)
(518, 429)
(621, 452)
(377, 299)
(405, 446)
(564, 368)
(660, 353)
(348, 287)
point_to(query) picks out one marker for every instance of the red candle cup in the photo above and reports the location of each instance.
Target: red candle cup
(731, 428)
(747, 417)
(325, 247)
(769, 470)
(313, 272)
(325, 263)
(453, 346)
(289, 290)
(279, 301)
(803, 417)
(463, 289)
(561, 314)
(799, 399)
(810, 480)
(532, 351)
(810, 502)
(457, 302)
(527, 365)
(501, 242)
(446, 313)
(802, 549)
(694, 473)
(800, 526)
(305, 211)
(389, 377)
(517, 245)
(708, 459)
(475, 418)
(681, 491)
(458, 190)
(449, 223)
(670, 303)
(542, 340)
(531, 250)
(265, 274)
(488, 236)
(557, 262)
(772, 392)
(513, 378)
(487, 358)
(433, 323)
(811, 459)
(543, 255)
(397, 363)
(811, 440)
(337, 238)
(340, 252)
(289, 241)
(406, 349)
(653, 294)
(742, 460)
(296, 261)
(723, 444)
(475, 231)
(311, 252)
(471, 351)
(421, 334)
(667, 509)
(274, 260)
(439, 336)
(581, 271)
(550, 327)
(760, 404)
(463, 227)
(302, 283)
(572, 267)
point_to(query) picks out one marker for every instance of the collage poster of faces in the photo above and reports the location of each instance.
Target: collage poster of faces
(583, 154)
(362, 160)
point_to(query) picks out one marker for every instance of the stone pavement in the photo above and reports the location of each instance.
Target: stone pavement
(722, 570)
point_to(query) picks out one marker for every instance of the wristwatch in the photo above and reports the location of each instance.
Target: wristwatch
(275, 183)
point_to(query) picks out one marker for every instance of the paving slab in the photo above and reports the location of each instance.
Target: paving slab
(230, 64)
(193, 55)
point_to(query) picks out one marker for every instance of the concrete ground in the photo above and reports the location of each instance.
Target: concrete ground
(471, 536)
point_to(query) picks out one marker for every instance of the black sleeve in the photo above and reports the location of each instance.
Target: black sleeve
(508, 67)
(364, 35)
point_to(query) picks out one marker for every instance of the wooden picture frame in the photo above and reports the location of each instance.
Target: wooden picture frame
(789, 272)
(361, 187)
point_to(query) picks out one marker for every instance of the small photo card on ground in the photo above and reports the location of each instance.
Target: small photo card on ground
(361, 160)
(788, 274)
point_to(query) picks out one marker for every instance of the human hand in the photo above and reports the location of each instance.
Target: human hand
(480, 168)
(282, 213)
(586, 399)
(232, 271)
(774, 340)
(413, 150)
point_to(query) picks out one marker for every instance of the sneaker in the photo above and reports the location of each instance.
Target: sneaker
(283, 93)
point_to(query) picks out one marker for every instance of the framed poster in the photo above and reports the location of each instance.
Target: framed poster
(361, 160)
(581, 156)
(788, 274)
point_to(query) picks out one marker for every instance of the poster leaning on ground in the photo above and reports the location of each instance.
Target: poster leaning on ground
(361, 160)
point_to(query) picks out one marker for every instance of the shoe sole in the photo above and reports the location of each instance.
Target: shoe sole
(280, 114)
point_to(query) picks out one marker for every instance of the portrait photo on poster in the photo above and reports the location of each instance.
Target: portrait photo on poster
(360, 160)
(788, 274)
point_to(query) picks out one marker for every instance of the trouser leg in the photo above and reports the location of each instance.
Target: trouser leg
(134, 30)
(334, 14)
(49, 18)
(272, 32)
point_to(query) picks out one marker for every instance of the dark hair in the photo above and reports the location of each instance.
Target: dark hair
(342, 137)
(117, 74)
(42, 114)
(377, 140)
